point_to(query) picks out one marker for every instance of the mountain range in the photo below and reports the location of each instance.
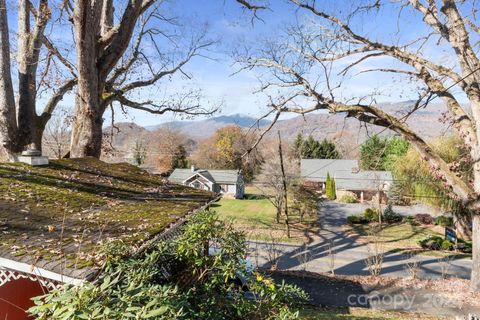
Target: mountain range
(201, 129)
(347, 133)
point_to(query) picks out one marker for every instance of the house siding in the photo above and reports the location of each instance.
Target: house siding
(228, 182)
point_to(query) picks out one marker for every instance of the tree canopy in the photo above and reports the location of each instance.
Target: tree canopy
(226, 150)
(310, 148)
(378, 153)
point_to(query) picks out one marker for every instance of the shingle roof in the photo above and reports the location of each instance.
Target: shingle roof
(317, 169)
(216, 176)
(58, 217)
(363, 180)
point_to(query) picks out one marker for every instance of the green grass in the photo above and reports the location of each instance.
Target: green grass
(400, 237)
(313, 313)
(256, 216)
(259, 212)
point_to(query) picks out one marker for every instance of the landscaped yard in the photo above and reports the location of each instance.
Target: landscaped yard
(399, 236)
(256, 216)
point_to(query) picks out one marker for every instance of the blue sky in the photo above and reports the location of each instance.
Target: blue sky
(232, 26)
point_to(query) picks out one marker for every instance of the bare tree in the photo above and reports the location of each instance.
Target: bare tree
(310, 67)
(22, 121)
(166, 147)
(270, 178)
(56, 140)
(108, 51)
(8, 123)
(284, 184)
(139, 152)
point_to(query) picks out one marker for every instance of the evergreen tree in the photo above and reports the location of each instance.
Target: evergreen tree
(328, 150)
(333, 192)
(379, 153)
(314, 149)
(327, 186)
(372, 153)
(179, 159)
(297, 146)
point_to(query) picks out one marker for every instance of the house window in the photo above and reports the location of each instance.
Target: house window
(197, 185)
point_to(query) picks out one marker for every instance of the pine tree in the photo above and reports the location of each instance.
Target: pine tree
(297, 146)
(330, 188)
(327, 186)
(179, 159)
(333, 190)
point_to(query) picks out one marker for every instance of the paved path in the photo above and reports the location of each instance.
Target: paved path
(327, 291)
(349, 255)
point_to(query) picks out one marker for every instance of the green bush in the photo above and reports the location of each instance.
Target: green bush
(444, 221)
(390, 216)
(371, 214)
(357, 219)
(432, 243)
(330, 189)
(465, 246)
(446, 245)
(346, 198)
(199, 285)
(411, 220)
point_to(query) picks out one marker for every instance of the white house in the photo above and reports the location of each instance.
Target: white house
(228, 182)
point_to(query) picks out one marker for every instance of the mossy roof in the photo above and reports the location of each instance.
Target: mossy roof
(57, 217)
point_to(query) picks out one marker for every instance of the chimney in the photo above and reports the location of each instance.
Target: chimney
(193, 168)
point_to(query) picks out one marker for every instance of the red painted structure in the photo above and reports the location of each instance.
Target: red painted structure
(16, 295)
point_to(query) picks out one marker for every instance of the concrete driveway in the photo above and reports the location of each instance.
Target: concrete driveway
(348, 255)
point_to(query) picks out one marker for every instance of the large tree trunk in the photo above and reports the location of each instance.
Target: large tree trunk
(86, 131)
(475, 278)
(475, 152)
(7, 101)
(87, 127)
(463, 224)
(26, 79)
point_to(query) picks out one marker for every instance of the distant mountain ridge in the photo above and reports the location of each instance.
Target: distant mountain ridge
(347, 133)
(204, 128)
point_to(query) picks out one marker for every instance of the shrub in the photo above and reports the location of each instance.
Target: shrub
(199, 286)
(411, 220)
(346, 198)
(446, 245)
(444, 221)
(330, 189)
(431, 242)
(424, 218)
(371, 214)
(357, 219)
(390, 216)
(465, 246)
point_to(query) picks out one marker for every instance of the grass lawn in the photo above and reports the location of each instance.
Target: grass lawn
(400, 236)
(256, 216)
(358, 314)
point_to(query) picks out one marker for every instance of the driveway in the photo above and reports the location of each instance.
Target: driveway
(348, 256)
